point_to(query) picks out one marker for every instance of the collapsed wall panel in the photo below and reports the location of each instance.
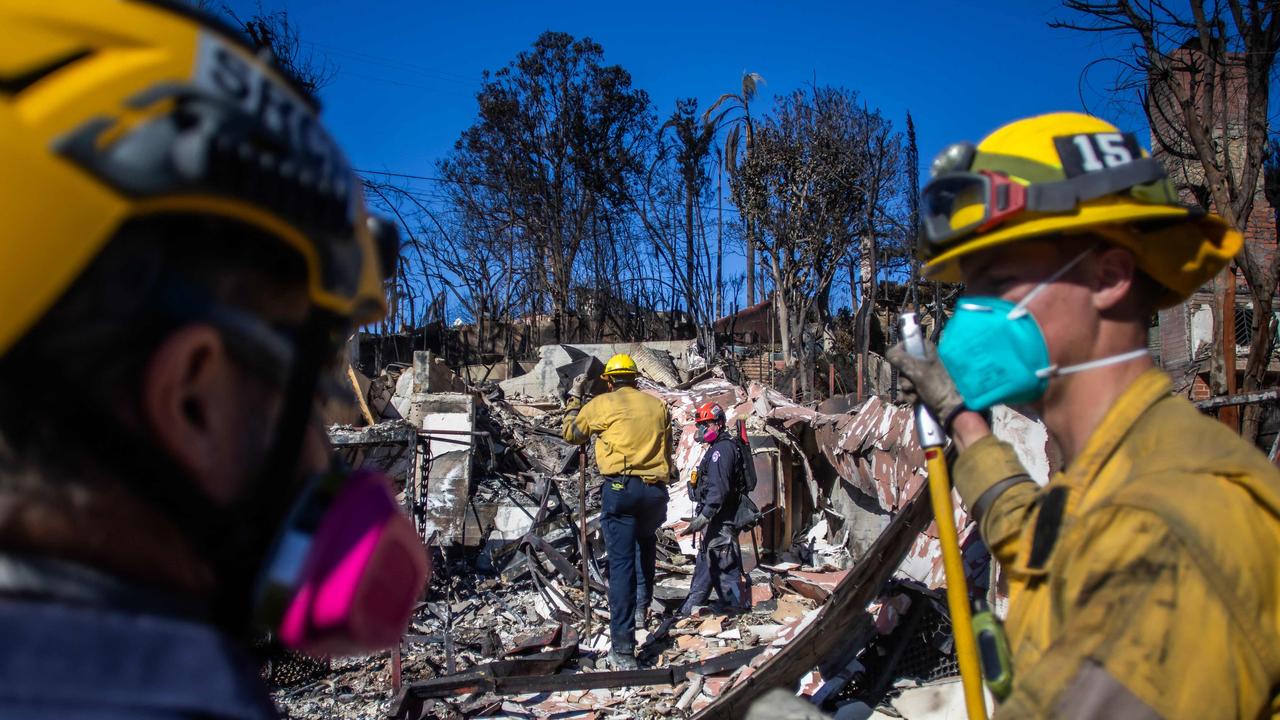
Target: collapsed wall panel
(447, 422)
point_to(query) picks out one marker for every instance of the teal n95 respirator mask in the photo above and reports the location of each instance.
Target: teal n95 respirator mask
(996, 354)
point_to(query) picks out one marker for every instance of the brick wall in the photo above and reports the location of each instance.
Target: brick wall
(1200, 389)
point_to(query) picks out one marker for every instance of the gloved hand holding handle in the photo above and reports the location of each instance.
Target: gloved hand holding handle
(923, 378)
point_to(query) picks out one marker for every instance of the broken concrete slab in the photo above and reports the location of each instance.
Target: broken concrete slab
(712, 626)
(789, 610)
(690, 642)
(542, 380)
(937, 701)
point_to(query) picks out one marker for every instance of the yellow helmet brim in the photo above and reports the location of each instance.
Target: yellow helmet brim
(1180, 256)
(946, 266)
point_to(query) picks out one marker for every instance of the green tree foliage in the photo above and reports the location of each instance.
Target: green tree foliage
(551, 161)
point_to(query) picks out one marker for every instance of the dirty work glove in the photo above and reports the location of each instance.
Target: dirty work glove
(699, 522)
(579, 386)
(927, 381)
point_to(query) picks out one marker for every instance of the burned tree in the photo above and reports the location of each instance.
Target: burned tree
(877, 183)
(552, 157)
(733, 110)
(275, 31)
(671, 210)
(801, 186)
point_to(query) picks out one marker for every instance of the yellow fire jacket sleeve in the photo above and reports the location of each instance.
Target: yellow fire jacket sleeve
(997, 492)
(1139, 632)
(1142, 579)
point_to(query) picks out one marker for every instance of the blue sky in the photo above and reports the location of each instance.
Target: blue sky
(407, 71)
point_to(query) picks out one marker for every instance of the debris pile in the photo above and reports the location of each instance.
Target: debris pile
(844, 573)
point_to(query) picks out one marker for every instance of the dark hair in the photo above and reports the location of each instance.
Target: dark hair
(85, 357)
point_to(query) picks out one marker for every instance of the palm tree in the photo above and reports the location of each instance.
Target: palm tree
(734, 110)
(693, 147)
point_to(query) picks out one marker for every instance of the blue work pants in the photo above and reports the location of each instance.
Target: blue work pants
(633, 512)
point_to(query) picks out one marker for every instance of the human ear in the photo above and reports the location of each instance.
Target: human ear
(188, 404)
(1113, 275)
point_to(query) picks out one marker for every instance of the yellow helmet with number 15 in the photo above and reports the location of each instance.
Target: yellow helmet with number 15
(1063, 174)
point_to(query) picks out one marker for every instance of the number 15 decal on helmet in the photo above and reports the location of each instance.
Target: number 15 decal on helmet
(1094, 152)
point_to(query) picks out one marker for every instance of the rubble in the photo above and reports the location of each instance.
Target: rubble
(658, 361)
(844, 569)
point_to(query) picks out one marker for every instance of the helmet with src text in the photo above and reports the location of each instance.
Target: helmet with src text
(113, 110)
(1065, 174)
(119, 111)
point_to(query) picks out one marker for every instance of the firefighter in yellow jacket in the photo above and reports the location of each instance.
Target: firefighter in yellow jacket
(1144, 579)
(633, 450)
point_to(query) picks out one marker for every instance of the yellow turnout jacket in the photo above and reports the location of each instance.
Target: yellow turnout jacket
(633, 432)
(1145, 578)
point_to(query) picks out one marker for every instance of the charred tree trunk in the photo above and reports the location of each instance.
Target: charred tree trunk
(867, 309)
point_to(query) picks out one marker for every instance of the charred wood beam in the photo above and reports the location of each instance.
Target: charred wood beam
(396, 432)
(534, 675)
(561, 563)
(844, 616)
(1251, 398)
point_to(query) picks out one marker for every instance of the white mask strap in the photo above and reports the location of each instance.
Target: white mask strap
(1021, 308)
(1054, 370)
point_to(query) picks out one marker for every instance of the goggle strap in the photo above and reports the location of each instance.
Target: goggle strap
(1066, 195)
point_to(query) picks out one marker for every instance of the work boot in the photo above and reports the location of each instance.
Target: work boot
(619, 660)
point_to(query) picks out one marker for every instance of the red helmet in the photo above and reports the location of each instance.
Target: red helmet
(709, 412)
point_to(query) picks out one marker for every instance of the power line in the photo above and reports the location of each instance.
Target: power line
(391, 81)
(448, 181)
(406, 175)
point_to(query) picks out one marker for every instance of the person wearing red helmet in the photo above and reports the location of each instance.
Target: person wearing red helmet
(717, 492)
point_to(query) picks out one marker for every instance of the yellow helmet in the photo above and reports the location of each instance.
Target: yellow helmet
(620, 366)
(112, 110)
(1063, 173)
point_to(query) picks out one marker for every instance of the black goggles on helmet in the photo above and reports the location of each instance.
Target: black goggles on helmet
(959, 202)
